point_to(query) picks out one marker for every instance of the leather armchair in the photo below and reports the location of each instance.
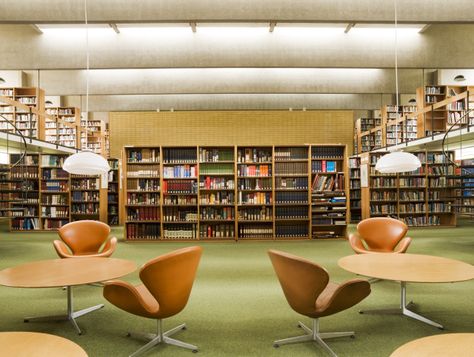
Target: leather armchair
(380, 235)
(309, 292)
(167, 283)
(84, 239)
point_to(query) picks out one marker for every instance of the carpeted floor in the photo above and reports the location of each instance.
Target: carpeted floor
(237, 307)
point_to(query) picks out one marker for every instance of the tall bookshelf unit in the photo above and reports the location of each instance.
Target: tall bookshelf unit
(85, 197)
(255, 192)
(54, 192)
(24, 190)
(329, 204)
(30, 125)
(354, 189)
(421, 198)
(217, 192)
(59, 133)
(234, 192)
(113, 192)
(292, 179)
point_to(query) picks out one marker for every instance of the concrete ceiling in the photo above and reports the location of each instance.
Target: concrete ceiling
(218, 70)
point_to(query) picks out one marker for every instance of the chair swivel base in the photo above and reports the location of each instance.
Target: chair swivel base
(161, 337)
(315, 336)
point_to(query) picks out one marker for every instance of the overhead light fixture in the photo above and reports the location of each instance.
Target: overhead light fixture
(48, 102)
(86, 162)
(2, 80)
(459, 78)
(397, 161)
(412, 101)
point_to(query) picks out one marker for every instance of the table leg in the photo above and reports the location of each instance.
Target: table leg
(71, 314)
(403, 309)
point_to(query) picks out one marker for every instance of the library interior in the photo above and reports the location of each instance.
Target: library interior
(236, 178)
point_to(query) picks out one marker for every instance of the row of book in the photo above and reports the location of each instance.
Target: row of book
(255, 231)
(328, 183)
(384, 209)
(19, 224)
(291, 153)
(415, 221)
(221, 213)
(180, 232)
(410, 195)
(48, 174)
(412, 182)
(179, 155)
(143, 213)
(385, 195)
(176, 214)
(54, 223)
(179, 186)
(323, 166)
(291, 168)
(54, 212)
(180, 200)
(327, 152)
(291, 230)
(52, 160)
(441, 170)
(180, 171)
(255, 214)
(24, 186)
(298, 212)
(254, 184)
(219, 198)
(326, 221)
(142, 184)
(143, 198)
(291, 183)
(216, 169)
(143, 171)
(85, 208)
(412, 208)
(92, 196)
(291, 197)
(259, 170)
(54, 200)
(381, 182)
(254, 198)
(216, 154)
(24, 172)
(254, 155)
(216, 183)
(143, 155)
(55, 186)
(216, 230)
(143, 231)
(85, 184)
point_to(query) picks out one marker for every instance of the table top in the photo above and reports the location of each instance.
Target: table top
(34, 344)
(65, 272)
(451, 344)
(408, 267)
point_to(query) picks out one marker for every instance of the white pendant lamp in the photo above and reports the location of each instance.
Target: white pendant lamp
(397, 161)
(86, 162)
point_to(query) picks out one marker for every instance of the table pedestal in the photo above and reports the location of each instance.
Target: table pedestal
(71, 314)
(403, 309)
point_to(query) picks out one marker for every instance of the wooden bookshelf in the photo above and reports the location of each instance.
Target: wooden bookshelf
(23, 192)
(54, 192)
(113, 192)
(57, 132)
(85, 197)
(255, 192)
(329, 204)
(142, 193)
(434, 121)
(96, 136)
(420, 198)
(354, 190)
(28, 123)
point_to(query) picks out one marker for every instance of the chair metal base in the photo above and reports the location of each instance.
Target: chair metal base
(315, 336)
(71, 315)
(404, 309)
(161, 337)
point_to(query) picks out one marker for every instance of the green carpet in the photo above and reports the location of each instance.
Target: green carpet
(237, 307)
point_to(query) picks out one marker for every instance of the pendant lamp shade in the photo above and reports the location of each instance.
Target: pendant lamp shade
(86, 163)
(397, 161)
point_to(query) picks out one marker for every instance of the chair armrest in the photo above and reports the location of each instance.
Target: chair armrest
(109, 248)
(356, 243)
(343, 296)
(62, 249)
(403, 245)
(129, 298)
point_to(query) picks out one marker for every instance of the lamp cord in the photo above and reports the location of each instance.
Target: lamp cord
(396, 72)
(87, 74)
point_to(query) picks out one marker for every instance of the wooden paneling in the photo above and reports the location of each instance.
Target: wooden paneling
(229, 128)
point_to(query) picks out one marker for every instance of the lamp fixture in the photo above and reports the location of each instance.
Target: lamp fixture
(397, 161)
(48, 102)
(86, 162)
(412, 101)
(459, 78)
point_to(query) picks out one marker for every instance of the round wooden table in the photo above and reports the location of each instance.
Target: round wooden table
(451, 344)
(413, 268)
(65, 272)
(34, 344)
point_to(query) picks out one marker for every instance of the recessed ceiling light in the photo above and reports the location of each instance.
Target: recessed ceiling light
(459, 78)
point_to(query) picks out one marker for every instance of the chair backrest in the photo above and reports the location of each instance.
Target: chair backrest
(84, 237)
(302, 281)
(170, 278)
(382, 233)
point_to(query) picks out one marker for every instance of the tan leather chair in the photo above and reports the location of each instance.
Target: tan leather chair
(84, 239)
(308, 291)
(381, 235)
(167, 282)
